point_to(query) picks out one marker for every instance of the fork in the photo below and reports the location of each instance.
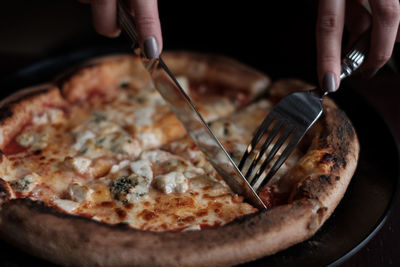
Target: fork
(289, 121)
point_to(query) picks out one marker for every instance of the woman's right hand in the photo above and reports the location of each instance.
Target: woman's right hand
(104, 13)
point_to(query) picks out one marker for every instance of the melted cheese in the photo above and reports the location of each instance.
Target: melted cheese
(102, 161)
(172, 182)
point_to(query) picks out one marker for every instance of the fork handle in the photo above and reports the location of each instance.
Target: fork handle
(351, 62)
(355, 56)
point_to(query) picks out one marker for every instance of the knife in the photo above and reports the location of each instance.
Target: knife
(186, 112)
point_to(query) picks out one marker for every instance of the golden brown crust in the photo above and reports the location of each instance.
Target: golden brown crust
(338, 142)
(102, 76)
(218, 70)
(70, 240)
(324, 172)
(20, 107)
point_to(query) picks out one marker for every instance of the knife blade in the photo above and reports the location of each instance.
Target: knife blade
(187, 113)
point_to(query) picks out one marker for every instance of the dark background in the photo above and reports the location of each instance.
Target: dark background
(277, 38)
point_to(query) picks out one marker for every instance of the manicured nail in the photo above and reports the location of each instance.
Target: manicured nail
(115, 34)
(369, 73)
(151, 48)
(329, 82)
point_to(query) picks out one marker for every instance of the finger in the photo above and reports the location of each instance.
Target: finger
(104, 14)
(385, 24)
(329, 32)
(358, 19)
(148, 25)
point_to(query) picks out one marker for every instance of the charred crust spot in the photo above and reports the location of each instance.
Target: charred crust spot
(337, 178)
(201, 213)
(128, 206)
(4, 192)
(37, 152)
(106, 204)
(122, 225)
(327, 158)
(147, 215)
(69, 74)
(325, 179)
(343, 162)
(5, 113)
(125, 85)
(321, 213)
(120, 213)
(187, 219)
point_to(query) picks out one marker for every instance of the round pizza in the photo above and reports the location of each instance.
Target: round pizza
(96, 170)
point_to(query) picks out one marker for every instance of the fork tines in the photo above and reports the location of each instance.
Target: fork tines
(273, 136)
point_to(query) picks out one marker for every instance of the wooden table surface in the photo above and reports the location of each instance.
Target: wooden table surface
(33, 30)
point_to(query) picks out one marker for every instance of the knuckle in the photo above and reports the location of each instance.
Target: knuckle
(146, 21)
(387, 13)
(329, 59)
(381, 58)
(328, 23)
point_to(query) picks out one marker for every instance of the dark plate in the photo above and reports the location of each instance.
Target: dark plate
(358, 217)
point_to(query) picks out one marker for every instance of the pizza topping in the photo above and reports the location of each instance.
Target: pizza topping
(40, 119)
(79, 193)
(191, 172)
(26, 183)
(101, 136)
(82, 138)
(144, 116)
(155, 155)
(28, 138)
(173, 182)
(66, 204)
(149, 139)
(117, 167)
(100, 167)
(79, 164)
(56, 116)
(143, 168)
(130, 189)
(192, 228)
(52, 116)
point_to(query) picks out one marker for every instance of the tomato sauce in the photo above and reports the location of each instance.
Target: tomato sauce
(13, 147)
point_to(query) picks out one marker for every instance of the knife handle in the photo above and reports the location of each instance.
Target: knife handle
(127, 23)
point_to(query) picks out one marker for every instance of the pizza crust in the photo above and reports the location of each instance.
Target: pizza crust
(17, 110)
(218, 70)
(71, 240)
(101, 77)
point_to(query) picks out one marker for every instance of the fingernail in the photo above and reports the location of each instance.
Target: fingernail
(369, 73)
(150, 48)
(329, 82)
(115, 34)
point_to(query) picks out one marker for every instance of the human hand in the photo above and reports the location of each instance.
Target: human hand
(104, 13)
(334, 14)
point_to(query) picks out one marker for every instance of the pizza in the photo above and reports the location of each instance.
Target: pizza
(96, 170)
